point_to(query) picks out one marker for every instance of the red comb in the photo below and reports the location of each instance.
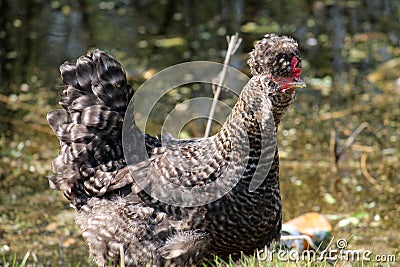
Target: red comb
(295, 71)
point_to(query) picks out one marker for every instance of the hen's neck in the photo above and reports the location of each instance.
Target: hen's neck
(280, 104)
(256, 112)
(247, 138)
(247, 132)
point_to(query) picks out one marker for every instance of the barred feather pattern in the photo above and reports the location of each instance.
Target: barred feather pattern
(120, 220)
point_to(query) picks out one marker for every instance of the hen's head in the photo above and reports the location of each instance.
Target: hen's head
(277, 60)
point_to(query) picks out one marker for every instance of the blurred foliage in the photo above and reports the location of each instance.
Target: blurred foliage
(350, 52)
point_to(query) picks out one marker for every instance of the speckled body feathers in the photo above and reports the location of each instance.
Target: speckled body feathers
(120, 219)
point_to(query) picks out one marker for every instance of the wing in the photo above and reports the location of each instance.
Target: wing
(189, 172)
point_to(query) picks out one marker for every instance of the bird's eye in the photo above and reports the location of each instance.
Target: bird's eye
(288, 65)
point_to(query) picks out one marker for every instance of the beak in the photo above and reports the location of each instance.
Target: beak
(297, 83)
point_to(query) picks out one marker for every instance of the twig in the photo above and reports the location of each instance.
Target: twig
(353, 136)
(333, 145)
(368, 176)
(363, 163)
(122, 256)
(233, 44)
(337, 154)
(350, 140)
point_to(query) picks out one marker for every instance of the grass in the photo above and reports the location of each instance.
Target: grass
(252, 261)
(14, 263)
(248, 261)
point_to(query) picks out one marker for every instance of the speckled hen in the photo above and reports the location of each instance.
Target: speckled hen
(119, 219)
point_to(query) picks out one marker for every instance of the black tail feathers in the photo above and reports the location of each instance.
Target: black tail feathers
(89, 126)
